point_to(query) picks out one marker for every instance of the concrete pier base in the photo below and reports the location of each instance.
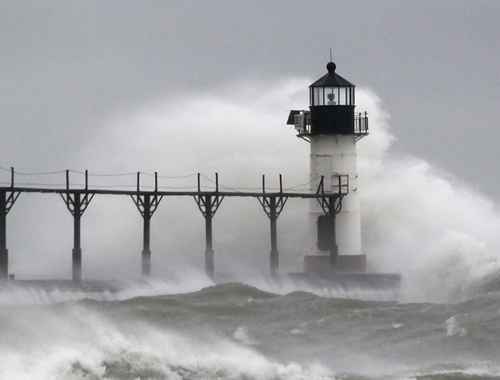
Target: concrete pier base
(317, 265)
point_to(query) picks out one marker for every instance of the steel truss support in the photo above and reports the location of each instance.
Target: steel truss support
(208, 205)
(147, 205)
(273, 205)
(331, 206)
(7, 200)
(77, 202)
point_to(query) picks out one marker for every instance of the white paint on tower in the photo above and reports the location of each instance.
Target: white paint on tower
(331, 156)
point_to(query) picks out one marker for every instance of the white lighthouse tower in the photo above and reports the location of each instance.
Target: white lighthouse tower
(332, 128)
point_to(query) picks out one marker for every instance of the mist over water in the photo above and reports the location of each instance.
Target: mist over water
(437, 232)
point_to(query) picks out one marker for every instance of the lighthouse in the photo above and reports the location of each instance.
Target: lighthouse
(332, 128)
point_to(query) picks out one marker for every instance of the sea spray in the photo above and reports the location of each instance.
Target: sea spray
(51, 292)
(440, 234)
(421, 222)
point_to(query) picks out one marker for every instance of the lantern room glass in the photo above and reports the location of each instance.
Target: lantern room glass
(332, 96)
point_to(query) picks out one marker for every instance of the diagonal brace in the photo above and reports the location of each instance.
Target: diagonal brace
(76, 203)
(11, 199)
(331, 204)
(147, 204)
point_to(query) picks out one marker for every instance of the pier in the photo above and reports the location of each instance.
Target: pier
(78, 197)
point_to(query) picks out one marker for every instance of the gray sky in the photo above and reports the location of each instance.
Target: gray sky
(68, 65)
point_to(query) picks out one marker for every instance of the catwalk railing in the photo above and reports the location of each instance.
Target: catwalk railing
(77, 198)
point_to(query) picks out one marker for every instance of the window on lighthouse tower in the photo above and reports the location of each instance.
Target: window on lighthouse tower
(332, 96)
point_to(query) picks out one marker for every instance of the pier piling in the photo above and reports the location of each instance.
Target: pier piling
(147, 205)
(77, 246)
(208, 205)
(272, 206)
(146, 249)
(7, 200)
(4, 253)
(77, 202)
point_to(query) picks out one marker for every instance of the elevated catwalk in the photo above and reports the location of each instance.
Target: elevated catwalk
(78, 199)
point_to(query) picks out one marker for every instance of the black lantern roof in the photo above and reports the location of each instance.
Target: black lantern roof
(332, 79)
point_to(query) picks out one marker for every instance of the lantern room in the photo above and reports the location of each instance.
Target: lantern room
(332, 103)
(331, 90)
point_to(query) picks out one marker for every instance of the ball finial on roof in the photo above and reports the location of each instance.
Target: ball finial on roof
(331, 67)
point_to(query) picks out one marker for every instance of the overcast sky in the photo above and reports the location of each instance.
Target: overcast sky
(68, 66)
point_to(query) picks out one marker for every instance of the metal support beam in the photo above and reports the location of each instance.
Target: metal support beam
(209, 249)
(77, 246)
(273, 205)
(208, 205)
(77, 202)
(334, 204)
(4, 253)
(7, 200)
(147, 205)
(274, 254)
(331, 206)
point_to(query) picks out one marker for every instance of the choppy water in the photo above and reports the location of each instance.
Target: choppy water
(157, 330)
(441, 235)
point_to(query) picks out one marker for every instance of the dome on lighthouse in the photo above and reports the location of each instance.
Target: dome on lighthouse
(332, 78)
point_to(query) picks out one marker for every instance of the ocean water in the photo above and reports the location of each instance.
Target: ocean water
(441, 235)
(157, 330)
